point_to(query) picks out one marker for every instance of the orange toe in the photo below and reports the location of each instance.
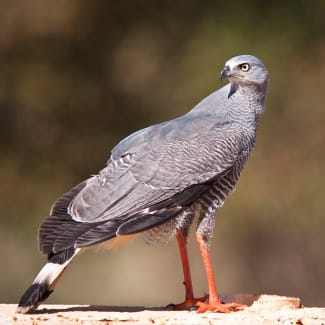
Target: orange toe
(218, 307)
(192, 302)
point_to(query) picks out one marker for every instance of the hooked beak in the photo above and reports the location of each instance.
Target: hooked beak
(225, 73)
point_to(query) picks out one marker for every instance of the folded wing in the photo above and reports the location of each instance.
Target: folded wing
(139, 190)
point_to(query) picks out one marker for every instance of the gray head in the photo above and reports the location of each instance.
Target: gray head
(245, 69)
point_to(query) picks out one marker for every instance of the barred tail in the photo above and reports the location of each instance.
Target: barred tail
(46, 279)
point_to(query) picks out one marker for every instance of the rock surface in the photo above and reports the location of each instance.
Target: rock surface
(262, 309)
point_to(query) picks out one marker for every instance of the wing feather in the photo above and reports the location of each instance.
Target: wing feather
(142, 187)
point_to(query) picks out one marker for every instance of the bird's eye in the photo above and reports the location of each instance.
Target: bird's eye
(244, 67)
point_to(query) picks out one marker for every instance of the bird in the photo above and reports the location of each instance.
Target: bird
(157, 181)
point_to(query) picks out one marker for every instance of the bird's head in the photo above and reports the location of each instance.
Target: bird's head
(245, 69)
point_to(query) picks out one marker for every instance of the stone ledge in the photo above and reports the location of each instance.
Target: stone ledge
(262, 309)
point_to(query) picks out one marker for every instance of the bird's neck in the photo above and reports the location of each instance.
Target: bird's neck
(254, 94)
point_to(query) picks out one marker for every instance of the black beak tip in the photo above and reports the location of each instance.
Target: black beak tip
(224, 73)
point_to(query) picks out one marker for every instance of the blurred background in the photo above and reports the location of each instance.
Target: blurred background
(77, 76)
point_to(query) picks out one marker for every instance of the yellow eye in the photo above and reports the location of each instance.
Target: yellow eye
(244, 67)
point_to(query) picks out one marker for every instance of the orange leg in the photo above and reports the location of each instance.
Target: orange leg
(190, 301)
(215, 303)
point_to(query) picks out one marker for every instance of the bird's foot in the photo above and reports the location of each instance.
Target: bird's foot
(218, 306)
(191, 303)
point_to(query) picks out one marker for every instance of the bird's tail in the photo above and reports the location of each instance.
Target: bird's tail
(46, 279)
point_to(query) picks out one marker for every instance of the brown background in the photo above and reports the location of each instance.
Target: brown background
(78, 76)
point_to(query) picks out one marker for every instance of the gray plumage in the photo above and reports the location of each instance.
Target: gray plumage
(157, 178)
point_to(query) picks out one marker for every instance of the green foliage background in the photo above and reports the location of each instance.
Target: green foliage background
(78, 76)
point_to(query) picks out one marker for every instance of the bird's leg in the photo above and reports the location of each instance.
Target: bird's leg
(214, 304)
(190, 301)
(185, 263)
